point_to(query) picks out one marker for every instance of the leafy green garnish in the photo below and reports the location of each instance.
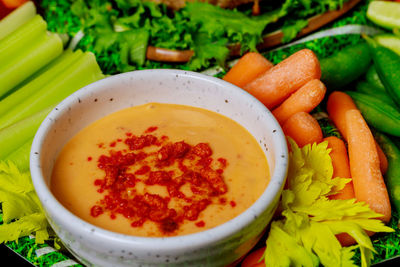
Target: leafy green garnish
(22, 211)
(305, 235)
(202, 27)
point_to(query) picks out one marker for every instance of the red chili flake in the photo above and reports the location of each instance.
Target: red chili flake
(100, 145)
(144, 169)
(113, 144)
(223, 162)
(96, 211)
(89, 159)
(202, 150)
(191, 166)
(151, 129)
(200, 224)
(232, 203)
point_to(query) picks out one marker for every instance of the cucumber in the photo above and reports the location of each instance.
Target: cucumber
(390, 41)
(392, 176)
(378, 113)
(387, 64)
(371, 90)
(345, 66)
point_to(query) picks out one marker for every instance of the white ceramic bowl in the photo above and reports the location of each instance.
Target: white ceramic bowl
(219, 246)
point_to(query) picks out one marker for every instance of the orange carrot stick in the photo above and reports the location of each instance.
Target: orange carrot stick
(254, 259)
(305, 99)
(275, 85)
(341, 166)
(303, 129)
(368, 182)
(249, 67)
(337, 106)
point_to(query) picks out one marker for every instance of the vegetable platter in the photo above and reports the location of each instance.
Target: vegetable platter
(338, 100)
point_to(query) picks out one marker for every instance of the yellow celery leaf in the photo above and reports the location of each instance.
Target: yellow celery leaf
(338, 184)
(320, 239)
(326, 209)
(22, 211)
(366, 256)
(15, 206)
(312, 220)
(24, 226)
(283, 250)
(13, 179)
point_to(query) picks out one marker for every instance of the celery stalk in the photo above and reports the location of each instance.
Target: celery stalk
(16, 18)
(15, 135)
(79, 74)
(20, 157)
(22, 38)
(49, 72)
(30, 60)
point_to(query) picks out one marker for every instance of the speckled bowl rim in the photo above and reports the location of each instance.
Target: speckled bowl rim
(165, 244)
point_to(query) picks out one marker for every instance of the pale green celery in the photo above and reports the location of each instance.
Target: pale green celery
(15, 135)
(79, 74)
(20, 157)
(17, 18)
(43, 77)
(22, 38)
(16, 69)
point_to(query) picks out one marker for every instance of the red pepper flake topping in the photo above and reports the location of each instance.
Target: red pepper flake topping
(200, 224)
(232, 203)
(157, 161)
(89, 159)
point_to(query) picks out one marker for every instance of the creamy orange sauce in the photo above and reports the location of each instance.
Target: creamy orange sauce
(76, 168)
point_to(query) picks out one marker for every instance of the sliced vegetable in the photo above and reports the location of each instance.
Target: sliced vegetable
(82, 72)
(275, 85)
(17, 18)
(390, 41)
(387, 64)
(254, 259)
(39, 80)
(18, 68)
(20, 157)
(377, 113)
(384, 13)
(303, 129)
(14, 136)
(341, 166)
(248, 68)
(345, 66)
(12, 45)
(369, 186)
(305, 99)
(392, 177)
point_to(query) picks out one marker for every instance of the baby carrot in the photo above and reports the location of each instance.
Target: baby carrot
(254, 259)
(337, 105)
(305, 99)
(303, 129)
(275, 85)
(341, 167)
(368, 182)
(249, 67)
